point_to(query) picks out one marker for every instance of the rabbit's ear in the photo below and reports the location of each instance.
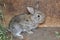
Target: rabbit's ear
(30, 9)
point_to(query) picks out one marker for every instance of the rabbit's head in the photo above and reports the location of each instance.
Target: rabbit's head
(37, 16)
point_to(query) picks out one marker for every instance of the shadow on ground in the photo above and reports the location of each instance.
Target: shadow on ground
(43, 34)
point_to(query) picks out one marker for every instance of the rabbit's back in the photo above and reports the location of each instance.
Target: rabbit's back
(23, 21)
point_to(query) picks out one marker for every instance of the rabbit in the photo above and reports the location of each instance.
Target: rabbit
(26, 22)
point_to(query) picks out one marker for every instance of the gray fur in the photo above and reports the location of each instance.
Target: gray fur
(25, 22)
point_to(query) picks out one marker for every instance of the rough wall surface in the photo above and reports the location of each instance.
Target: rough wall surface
(49, 7)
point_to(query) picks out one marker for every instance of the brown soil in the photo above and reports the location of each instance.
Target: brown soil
(51, 8)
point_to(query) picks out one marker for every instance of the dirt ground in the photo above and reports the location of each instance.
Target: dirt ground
(48, 33)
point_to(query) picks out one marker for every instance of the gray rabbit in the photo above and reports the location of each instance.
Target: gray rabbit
(26, 22)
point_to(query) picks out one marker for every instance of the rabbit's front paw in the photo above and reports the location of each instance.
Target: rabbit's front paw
(20, 36)
(29, 32)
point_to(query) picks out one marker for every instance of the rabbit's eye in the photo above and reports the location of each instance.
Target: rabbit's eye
(38, 15)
